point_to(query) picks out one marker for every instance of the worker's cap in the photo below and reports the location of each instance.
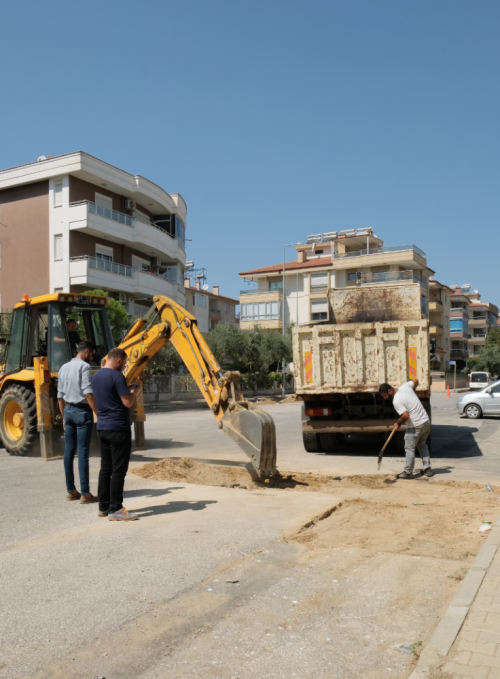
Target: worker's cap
(85, 344)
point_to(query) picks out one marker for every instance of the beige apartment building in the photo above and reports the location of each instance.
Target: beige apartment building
(439, 324)
(209, 307)
(73, 223)
(326, 261)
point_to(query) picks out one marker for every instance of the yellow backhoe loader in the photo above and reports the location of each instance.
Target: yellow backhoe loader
(42, 339)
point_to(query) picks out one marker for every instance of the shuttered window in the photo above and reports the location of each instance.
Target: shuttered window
(319, 280)
(58, 193)
(319, 307)
(104, 201)
(200, 300)
(58, 247)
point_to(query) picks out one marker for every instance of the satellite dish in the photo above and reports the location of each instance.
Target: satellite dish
(41, 158)
(205, 287)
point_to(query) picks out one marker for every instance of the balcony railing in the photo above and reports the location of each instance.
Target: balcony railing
(390, 277)
(435, 301)
(483, 334)
(215, 311)
(122, 218)
(376, 251)
(436, 325)
(250, 291)
(106, 265)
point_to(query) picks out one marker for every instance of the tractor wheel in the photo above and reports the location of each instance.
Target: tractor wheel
(18, 420)
(311, 443)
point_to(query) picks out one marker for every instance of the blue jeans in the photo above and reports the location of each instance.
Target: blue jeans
(79, 424)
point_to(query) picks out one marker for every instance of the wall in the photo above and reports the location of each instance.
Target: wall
(24, 242)
(82, 244)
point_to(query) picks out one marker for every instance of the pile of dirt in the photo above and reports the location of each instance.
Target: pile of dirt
(189, 471)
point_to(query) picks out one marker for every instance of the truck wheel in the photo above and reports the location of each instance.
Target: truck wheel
(329, 443)
(399, 442)
(311, 443)
(18, 420)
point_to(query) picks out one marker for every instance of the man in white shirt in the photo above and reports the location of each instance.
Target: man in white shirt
(407, 405)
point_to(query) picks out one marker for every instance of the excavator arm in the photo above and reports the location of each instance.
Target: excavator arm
(249, 426)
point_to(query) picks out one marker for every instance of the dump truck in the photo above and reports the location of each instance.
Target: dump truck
(39, 343)
(375, 333)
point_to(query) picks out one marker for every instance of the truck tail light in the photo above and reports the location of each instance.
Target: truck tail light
(318, 412)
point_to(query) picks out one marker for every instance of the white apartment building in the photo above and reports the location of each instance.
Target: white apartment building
(326, 261)
(73, 223)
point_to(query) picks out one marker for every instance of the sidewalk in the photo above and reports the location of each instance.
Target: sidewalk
(466, 642)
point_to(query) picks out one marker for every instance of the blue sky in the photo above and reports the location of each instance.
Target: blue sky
(276, 120)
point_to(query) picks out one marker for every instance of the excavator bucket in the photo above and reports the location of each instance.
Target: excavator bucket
(253, 430)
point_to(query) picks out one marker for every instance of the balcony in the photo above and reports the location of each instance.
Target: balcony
(264, 311)
(144, 236)
(391, 277)
(435, 329)
(479, 321)
(459, 313)
(435, 305)
(459, 353)
(477, 340)
(102, 274)
(377, 251)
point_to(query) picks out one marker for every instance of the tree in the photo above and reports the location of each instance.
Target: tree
(166, 362)
(488, 359)
(119, 318)
(253, 352)
(493, 339)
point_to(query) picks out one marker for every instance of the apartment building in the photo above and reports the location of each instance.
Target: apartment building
(439, 324)
(73, 223)
(471, 317)
(209, 307)
(459, 327)
(331, 260)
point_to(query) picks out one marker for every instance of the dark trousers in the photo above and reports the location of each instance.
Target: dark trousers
(115, 457)
(78, 427)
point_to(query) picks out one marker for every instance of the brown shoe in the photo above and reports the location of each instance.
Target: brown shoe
(88, 499)
(73, 495)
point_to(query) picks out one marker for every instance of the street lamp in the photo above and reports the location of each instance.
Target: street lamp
(283, 381)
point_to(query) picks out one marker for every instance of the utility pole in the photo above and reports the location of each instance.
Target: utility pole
(283, 319)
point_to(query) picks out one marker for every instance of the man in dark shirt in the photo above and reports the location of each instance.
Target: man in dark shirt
(113, 399)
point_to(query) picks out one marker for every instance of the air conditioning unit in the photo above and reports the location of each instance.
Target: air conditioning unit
(122, 297)
(129, 204)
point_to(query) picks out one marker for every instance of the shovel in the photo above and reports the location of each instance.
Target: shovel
(381, 454)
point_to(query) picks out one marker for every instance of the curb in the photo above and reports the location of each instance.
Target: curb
(449, 626)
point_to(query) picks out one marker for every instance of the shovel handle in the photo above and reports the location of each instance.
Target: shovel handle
(380, 455)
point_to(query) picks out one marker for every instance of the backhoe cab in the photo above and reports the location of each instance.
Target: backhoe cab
(44, 334)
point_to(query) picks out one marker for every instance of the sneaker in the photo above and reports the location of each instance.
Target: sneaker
(404, 475)
(73, 495)
(427, 472)
(103, 512)
(122, 515)
(88, 499)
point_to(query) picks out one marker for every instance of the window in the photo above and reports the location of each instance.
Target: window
(226, 308)
(319, 280)
(261, 311)
(58, 193)
(104, 201)
(58, 289)
(104, 253)
(351, 276)
(319, 310)
(423, 306)
(17, 340)
(179, 229)
(200, 300)
(275, 285)
(140, 264)
(456, 325)
(58, 247)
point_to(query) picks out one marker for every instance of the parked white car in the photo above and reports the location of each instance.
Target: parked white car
(478, 403)
(479, 380)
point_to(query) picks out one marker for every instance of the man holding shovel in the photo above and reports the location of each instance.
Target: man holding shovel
(407, 405)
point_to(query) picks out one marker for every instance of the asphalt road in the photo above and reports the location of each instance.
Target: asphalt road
(83, 597)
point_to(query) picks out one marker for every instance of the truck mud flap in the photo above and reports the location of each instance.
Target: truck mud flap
(253, 430)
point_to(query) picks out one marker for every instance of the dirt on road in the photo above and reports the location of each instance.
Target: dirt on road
(374, 572)
(424, 517)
